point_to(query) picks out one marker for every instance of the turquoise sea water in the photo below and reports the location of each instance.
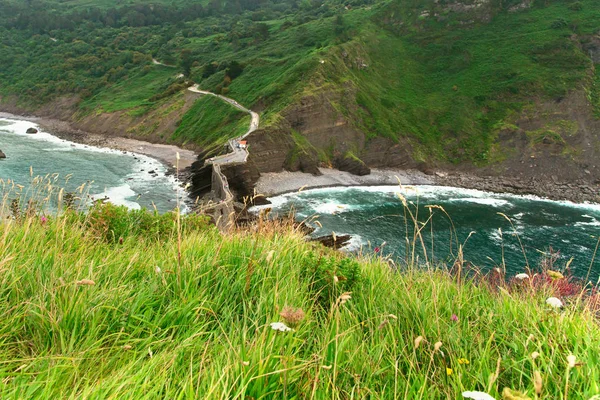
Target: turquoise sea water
(374, 215)
(121, 177)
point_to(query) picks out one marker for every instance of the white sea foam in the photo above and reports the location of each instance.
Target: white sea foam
(330, 207)
(443, 192)
(484, 201)
(355, 243)
(593, 222)
(119, 195)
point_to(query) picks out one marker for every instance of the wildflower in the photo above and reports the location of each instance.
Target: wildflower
(280, 326)
(535, 355)
(418, 341)
(571, 359)
(85, 282)
(463, 361)
(292, 315)
(157, 269)
(376, 249)
(477, 396)
(448, 371)
(555, 274)
(522, 276)
(454, 317)
(554, 302)
(43, 219)
(537, 382)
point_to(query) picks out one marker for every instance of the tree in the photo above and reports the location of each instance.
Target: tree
(260, 31)
(234, 70)
(186, 61)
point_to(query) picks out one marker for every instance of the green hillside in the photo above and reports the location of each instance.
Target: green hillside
(445, 76)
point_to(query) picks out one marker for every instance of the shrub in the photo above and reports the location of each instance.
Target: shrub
(576, 6)
(112, 223)
(328, 278)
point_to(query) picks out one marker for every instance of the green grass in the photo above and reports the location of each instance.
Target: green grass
(211, 122)
(134, 93)
(595, 93)
(151, 327)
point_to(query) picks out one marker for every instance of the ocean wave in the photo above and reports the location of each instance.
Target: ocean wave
(483, 201)
(119, 195)
(355, 243)
(593, 222)
(330, 208)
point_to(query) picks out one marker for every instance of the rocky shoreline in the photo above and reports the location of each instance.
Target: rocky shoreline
(272, 184)
(576, 191)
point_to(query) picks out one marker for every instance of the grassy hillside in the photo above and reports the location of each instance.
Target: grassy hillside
(442, 76)
(99, 306)
(211, 122)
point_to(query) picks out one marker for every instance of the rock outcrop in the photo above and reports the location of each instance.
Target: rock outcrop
(352, 165)
(31, 131)
(2, 155)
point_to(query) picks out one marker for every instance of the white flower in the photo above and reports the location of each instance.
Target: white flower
(571, 359)
(522, 276)
(280, 326)
(554, 302)
(477, 396)
(157, 269)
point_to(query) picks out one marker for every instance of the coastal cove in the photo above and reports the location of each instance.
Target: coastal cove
(122, 176)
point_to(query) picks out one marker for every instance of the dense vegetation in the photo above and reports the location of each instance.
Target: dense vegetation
(102, 306)
(443, 77)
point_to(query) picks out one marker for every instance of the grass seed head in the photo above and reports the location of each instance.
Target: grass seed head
(85, 282)
(292, 316)
(537, 382)
(418, 341)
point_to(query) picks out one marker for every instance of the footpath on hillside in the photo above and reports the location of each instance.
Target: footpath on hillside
(224, 211)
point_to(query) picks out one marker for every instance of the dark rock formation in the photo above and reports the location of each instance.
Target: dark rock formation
(304, 162)
(31, 130)
(242, 178)
(352, 165)
(335, 243)
(2, 155)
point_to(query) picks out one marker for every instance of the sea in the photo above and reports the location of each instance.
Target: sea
(511, 232)
(122, 178)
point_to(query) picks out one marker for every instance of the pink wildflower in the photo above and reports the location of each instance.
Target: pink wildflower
(43, 219)
(454, 317)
